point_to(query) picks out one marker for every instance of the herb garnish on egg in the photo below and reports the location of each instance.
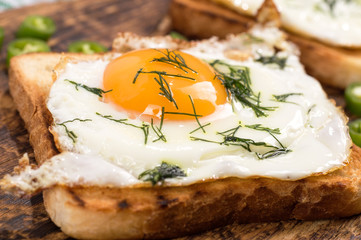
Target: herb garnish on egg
(160, 173)
(274, 59)
(96, 91)
(262, 128)
(283, 97)
(158, 131)
(229, 138)
(331, 5)
(164, 86)
(237, 81)
(71, 134)
(144, 127)
(173, 58)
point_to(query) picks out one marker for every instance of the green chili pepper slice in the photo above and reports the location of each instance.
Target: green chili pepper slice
(2, 35)
(177, 35)
(36, 27)
(355, 131)
(25, 45)
(353, 98)
(87, 47)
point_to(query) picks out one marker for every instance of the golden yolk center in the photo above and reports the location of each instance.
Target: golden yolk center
(144, 82)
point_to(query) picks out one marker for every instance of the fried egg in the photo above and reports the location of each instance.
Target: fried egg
(201, 109)
(334, 22)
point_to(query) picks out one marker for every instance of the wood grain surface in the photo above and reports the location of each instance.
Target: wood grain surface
(26, 218)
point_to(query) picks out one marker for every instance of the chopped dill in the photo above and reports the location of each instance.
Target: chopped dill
(97, 91)
(195, 130)
(144, 127)
(308, 115)
(163, 84)
(237, 81)
(162, 172)
(195, 114)
(71, 134)
(185, 114)
(161, 119)
(310, 109)
(232, 131)
(158, 131)
(331, 5)
(174, 59)
(161, 73)
(283, 97)
(229, 139)
(280, 61)
(259, 127)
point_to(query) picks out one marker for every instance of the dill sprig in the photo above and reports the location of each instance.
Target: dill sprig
(97, 91)
(183, 113)
(237, 82)
(144, 127)
(164, 87)
(162, 172)
(308, 123)
(283, 97)
(331, 5)
(229, 138)
(274, 59)
(195, 130)
(161, 73)
(195, 114)
(158, 132)
(310, 109)
(165, 90)
(174, 59)
(70, 133)
(231, 132)
(259, 127)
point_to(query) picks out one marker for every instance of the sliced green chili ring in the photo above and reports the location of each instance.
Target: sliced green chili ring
(2, 35)
(25, 45)
(355, 131)
(177, 35)
(353, 98)
(87, 47)
(36, 27)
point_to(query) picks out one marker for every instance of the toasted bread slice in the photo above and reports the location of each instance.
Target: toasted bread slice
(334, 66)
(91, 212)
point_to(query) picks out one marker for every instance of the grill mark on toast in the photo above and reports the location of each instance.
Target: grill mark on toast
(76, 198)
(164, 202)
(123, 204)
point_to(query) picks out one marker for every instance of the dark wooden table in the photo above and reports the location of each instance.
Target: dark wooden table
(26, 218)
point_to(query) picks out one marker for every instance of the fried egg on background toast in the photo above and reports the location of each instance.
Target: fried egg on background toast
(333, 22)
(235, 108)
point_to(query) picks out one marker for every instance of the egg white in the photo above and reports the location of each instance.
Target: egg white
(311, 127)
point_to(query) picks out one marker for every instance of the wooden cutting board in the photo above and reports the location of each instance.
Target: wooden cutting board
(26, 218)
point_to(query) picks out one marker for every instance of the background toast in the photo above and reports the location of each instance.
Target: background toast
(334, 66)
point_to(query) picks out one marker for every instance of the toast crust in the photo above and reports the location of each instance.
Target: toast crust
(152, 212)
(334, 66)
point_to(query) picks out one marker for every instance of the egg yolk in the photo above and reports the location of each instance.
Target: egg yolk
(143, 82)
